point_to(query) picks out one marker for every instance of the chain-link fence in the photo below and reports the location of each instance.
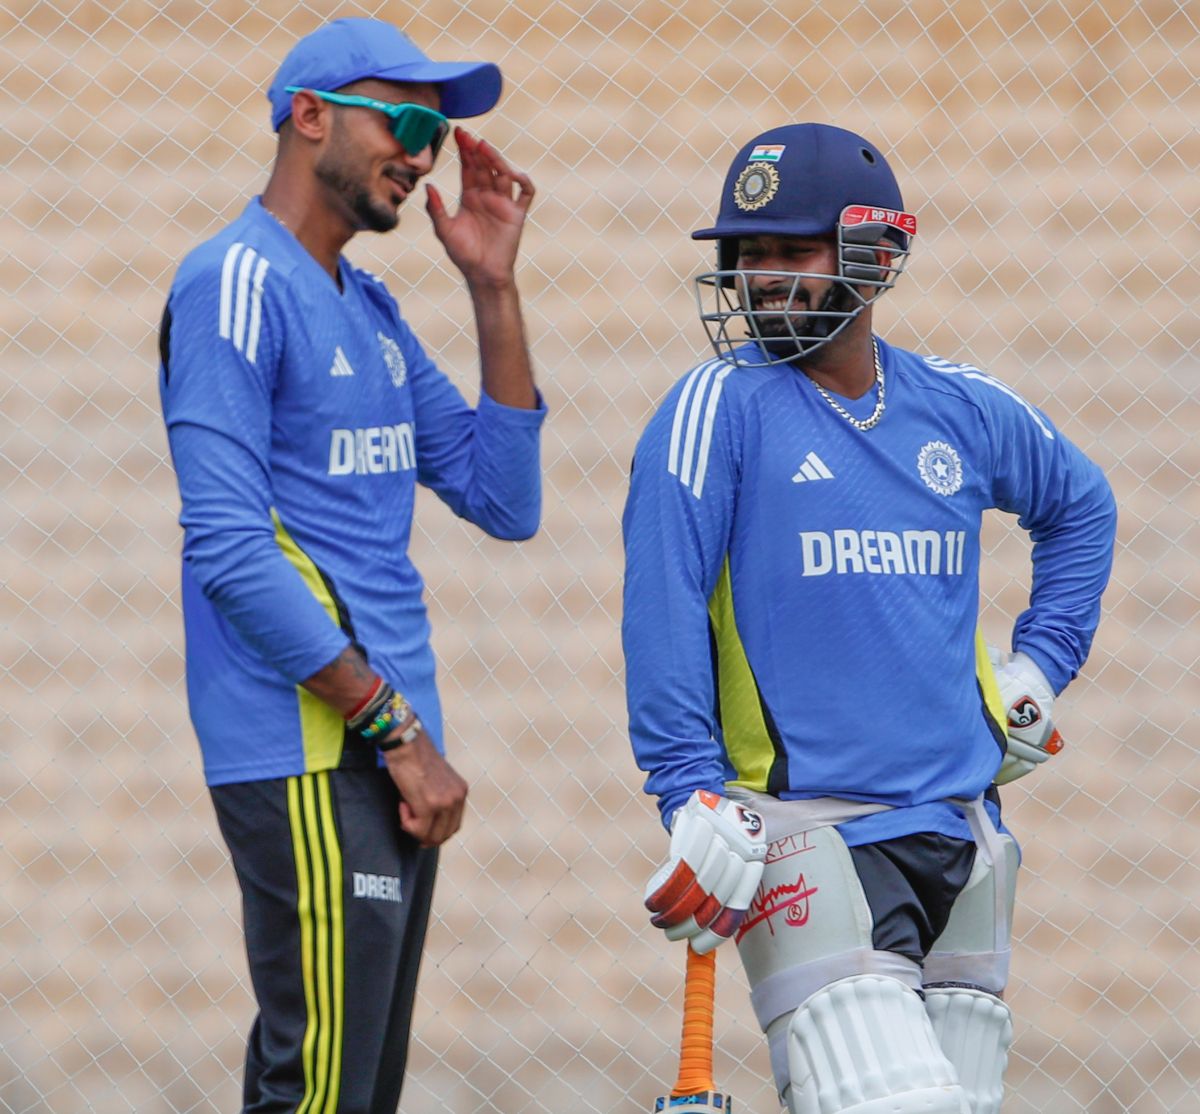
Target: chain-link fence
(1050, 149)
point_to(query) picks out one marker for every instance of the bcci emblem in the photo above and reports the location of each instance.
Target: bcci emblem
(755, 186)
(394, 359)
(940, 467)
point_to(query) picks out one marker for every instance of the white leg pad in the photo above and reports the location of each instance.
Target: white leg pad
(975, 1032)
(865, 1045)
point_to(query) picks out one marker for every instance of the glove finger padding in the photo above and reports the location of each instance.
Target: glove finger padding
(714, 917)
(691, 891)
(716, 861)
(730, 918)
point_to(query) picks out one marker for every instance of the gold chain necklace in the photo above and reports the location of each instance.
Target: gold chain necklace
(860, 423)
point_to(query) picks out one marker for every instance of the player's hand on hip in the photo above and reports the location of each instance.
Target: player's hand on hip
(482, 236)
(1028, 702)
(701, 893)
(432, 795)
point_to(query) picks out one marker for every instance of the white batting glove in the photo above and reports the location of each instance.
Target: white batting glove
(701, 893)
(1028, 700)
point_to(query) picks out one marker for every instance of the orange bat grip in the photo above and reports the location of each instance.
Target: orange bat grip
(696, 1042)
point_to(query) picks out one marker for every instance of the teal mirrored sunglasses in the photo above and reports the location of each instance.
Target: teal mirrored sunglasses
(414, 126)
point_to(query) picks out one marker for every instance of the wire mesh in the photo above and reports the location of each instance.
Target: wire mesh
(1050, 149)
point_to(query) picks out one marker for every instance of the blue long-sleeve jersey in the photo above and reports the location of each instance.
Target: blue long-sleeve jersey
(801, 597)
(301, 417)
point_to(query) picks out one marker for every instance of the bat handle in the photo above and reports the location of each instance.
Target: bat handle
(696, 1042)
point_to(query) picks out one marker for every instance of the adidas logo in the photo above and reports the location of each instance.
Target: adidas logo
(341, 366)
(813, 468)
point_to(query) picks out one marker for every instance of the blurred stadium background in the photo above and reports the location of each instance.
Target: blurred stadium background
(1050, 149)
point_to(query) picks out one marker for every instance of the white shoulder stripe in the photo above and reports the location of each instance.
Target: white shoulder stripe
(260, 273)
(970, 371)
(691, 430)
(224, 315)
(239, 314)
(1047, 432)
(710, 414)
(680, 412)
(241, 304)
(693, 423)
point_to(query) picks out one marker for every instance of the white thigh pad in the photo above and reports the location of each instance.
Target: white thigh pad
(974, 946)
(809, 906)
(975, 1032)
(809, 925)
(865, 1045)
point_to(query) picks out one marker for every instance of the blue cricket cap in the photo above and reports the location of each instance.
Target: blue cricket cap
(795, 181)
(349, 50)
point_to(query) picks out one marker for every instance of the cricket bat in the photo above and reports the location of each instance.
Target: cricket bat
(694, 1091)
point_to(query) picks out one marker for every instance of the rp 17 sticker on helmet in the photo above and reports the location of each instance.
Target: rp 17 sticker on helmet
(870, 214)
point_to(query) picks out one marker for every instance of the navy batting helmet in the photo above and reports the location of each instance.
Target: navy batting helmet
(807, 180)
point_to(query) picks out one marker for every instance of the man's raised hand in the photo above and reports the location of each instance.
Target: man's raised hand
(482, 236)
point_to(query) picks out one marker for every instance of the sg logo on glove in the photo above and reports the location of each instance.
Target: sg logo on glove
(751, 821)
(1024, 713)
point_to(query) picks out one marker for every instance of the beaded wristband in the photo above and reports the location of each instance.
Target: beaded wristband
(380, 713)
(396, 712)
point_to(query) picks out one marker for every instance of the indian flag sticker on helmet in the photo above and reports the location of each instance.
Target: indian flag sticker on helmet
(767, 152)
(755, 186)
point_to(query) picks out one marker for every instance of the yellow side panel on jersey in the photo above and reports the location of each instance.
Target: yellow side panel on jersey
(322, 730)
(993, 704)
(322, 938)
(742, 723)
